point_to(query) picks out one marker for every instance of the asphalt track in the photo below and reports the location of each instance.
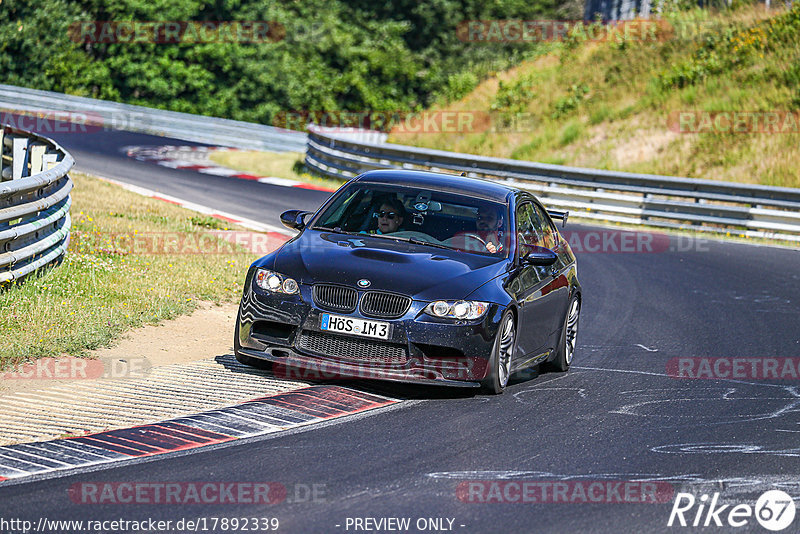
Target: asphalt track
(616, 415)
(101, 153)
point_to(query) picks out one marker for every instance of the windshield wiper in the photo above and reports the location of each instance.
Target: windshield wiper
(414, 241)
(427, 243)
(336, 230)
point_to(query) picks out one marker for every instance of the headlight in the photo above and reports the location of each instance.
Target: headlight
(460, 309)
(276, 283)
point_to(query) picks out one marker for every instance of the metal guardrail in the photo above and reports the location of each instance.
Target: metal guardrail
(661, 201)
(34, 202)
(116, 116)
(640, 199)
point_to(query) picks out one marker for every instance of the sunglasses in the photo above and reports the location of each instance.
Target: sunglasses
(387, 214)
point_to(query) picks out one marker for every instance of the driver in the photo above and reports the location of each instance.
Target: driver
(489, 225)
(390, 216)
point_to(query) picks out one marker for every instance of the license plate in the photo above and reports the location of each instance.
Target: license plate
(355, 326)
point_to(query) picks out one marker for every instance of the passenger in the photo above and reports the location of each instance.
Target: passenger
(390, 216)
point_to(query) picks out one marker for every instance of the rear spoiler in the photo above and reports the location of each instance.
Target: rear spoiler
(555, 214)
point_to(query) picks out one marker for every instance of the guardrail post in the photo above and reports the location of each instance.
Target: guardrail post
(19, 159)
(37, 153)
(49, 161)
(2, 146)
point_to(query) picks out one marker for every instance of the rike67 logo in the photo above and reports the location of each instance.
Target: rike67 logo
(774, 510)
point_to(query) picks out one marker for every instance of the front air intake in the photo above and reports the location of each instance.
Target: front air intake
(383, 304)
(335, 298)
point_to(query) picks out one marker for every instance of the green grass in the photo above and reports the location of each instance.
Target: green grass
(607, 104)
(570, 133)
(106, 286)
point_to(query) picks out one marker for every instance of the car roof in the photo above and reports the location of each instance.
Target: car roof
(449, 183)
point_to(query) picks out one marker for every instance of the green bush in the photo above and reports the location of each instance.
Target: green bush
(336, 55)
(514, 96)
(577, 93)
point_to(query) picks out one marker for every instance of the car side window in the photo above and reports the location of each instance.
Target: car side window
(527, 234)
(545, 229)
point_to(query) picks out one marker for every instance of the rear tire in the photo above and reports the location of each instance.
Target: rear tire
(569, 338)
(500, 361)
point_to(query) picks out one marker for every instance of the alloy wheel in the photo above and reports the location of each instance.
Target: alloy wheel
(572, 329)
(507, 335)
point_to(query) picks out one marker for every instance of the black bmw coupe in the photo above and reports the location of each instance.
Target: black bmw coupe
(416, 277)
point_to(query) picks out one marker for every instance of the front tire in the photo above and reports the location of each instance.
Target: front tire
(569, 338)
(500, 361)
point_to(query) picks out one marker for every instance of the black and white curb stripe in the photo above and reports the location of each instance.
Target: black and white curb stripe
(274, 413)
(196, 158)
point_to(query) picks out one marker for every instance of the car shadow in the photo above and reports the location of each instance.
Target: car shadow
(396, 390)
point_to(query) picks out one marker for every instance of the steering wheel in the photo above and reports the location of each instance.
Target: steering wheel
(477, 237)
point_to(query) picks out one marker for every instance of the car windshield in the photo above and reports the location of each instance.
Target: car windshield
(439, 219)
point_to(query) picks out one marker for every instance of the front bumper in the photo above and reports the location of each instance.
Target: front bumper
(292, 365)
(277, 328)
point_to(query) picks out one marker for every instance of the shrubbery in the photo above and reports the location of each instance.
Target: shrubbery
(336, 55)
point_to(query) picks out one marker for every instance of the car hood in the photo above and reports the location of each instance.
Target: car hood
(422, 272)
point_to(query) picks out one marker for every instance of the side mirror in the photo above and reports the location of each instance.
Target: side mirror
(294, 219)
(539, 256)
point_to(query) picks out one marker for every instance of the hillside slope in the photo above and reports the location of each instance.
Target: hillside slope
(663, 105)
